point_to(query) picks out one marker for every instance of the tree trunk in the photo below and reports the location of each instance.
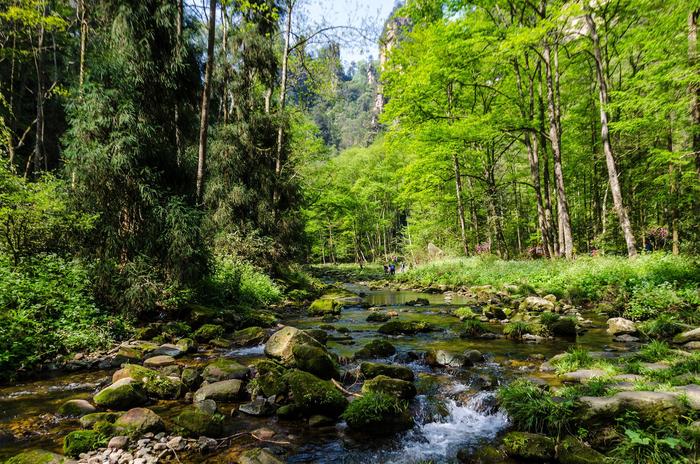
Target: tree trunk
(460, 205)
(607, 147)
(83, 41)
(548, 215)
(224, 56)
(204, 110)
(178, 132)
(283, 99)
(554, 131)
(695, 87)
(39, 158)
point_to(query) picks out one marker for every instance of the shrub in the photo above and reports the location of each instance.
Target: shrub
(640, 446)
(516, 330)
(241, 283)
(654, 351)
(664, 326)
(464, 313)
(649, 300)
(532, 409)
(376, 409)
(548, 318)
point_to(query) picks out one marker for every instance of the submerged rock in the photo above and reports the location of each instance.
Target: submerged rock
(529, 446)
(371, 370)
(376, 349)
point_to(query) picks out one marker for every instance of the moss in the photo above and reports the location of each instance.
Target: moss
(572, 451)
(82, 441)
(378, 412)
(371, 370)
(392, 387)
(224, 369)
(154, 383)
(529, 446)
(313, 395)
(376, 349)
(121, 395)
(324, 306)
(378, 317)
(104, 428)
(37, 457)
(315, 360)
(268, 380)
(249, 336)
(187, 345)
(208, 332)
(89, 420)
(195, 422)
(405, 327)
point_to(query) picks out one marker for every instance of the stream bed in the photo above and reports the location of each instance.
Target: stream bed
(455, 408)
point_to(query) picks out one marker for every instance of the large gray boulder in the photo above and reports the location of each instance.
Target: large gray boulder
(620, 325)
(225, 391)
(138, 421)
(280, 345)
(123, 394)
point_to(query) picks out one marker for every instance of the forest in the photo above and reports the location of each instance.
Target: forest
(482, 238)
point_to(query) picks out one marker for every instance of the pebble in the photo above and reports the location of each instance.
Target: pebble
(118, 442)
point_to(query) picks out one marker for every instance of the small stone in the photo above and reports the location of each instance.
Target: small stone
(160, 447)
(118, 442)
(176, 443)
(625, 338)
(263, 433)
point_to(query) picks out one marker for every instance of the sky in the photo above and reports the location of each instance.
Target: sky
(354, 13)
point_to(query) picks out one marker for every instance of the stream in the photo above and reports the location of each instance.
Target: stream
(455, 408)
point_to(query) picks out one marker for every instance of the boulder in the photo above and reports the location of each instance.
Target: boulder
(371, 370)
(208, 332)
(225, 369)
(187, 345)
(396, 388)
(135, 352)
(320, 335)
(315, 360)
(312, 395)
(573, 451)
(139, 421)
(620, 325)
(691, 394)
(376, 349)
(249, 336)
(404, 327)
(258, 456)
(224, 391)
(280, 345)
(118, 442)
(76, 408)
(123, 394)
(378, 317)
(529, 446)
(583, 375)
(167, 349)
(268, 379)
(442, 358)
(89, 420)
(650, 406)
(688, 336)
(473, 356)
(154, 384)
(39, 457)
(564, 327)
(259, 407)
(536, 303)
(201, 419)
(157, 362)
(324, 307)
(483, 455)
(191, 377)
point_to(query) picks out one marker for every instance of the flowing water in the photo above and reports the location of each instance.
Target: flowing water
(455, 408)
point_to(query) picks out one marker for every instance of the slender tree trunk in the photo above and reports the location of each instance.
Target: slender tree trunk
(178, 132)
(548, 214)
(695, 87)
(607, 147)
(204, 110)
(224, 57)
(460, 204)
(554, 131)
(283, 99)
(83, 41)
(39, 154)
(673, 193)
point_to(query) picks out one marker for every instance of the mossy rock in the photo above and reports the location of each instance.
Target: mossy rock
(401, 389)
(320, 335)
(191, 377)
(82, 441)
(258, 456)
(139, 421)
(529, 446)
(378, 413)
(316, 361)
(200, 314)
(572, 451)
(187, 345)
(225, 369)
(38, 457)
(483, 455)
(564, 327)
(147, 332)
(288, 412)
(249, 336)
(221, 343)
(76, 408)
(176, 329)
(378, 317)
(208, 332)
(196, 421)
(89, 420)
(268, 380)
(313, 395)
(324, 306)
(123, 394)
(376, 349)
(405, 327)
(371, 370)
(154, 384)
(280, 346)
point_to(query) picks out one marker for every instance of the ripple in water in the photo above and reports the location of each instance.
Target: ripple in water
(250, 351)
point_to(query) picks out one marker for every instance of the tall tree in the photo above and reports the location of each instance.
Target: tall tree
(204, 106)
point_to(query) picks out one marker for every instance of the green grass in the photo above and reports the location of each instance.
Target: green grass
(532, 409)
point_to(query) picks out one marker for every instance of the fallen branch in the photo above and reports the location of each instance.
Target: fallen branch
(340, 387)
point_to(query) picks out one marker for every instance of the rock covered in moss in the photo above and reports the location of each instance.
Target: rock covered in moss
(225, 369)
(191, 377)
(125, 393)
(138, 421)
(378, 413)
(225, 391)
(371, 370)
(376, 349)
(404, 327)
(268, 380)
(250, 336)
(319, 334)
(688, 336)
(208, 332)
(529, 446)
(76, 408)
(312, 395)
(483, 455)
(201, 418)
(258, 456)
(324, 306)
(280, 346)
(394, 387)
(573, 451)
(536, 303)
(315, 360)
(82, 441)
(89, 420)
(187, 345)
(153, 383)
(378, 317)
(133, 352)
(39, 457)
